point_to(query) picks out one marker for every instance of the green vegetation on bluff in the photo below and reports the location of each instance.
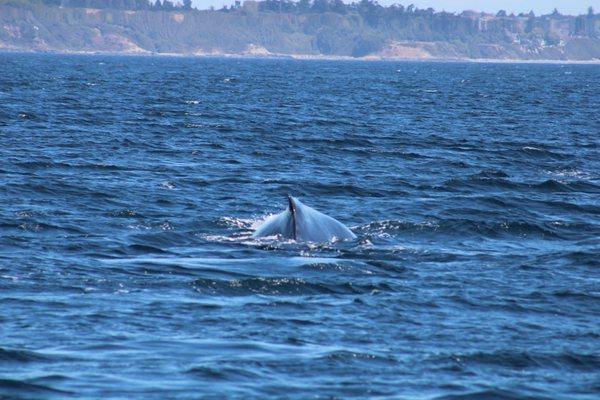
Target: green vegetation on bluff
(274, 27)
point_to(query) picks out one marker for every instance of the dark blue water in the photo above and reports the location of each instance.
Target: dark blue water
(130, 188)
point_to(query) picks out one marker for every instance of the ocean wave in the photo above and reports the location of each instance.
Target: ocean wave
(460, 228)
(9, 355)
(479, 181)
(18, 388)
(583, 257)
(493, 394)
(347, 356)
(513, 359)
(282, 286)
(144, 249)
(38, 165)
(223, 373)
(552, 185)
(539, 152)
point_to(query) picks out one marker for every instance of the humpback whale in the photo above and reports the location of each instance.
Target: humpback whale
(305, 224)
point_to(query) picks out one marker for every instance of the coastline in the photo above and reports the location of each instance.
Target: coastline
(300, 57)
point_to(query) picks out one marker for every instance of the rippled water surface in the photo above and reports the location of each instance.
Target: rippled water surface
(130, 188)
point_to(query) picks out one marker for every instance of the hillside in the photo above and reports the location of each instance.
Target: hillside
(318, 29)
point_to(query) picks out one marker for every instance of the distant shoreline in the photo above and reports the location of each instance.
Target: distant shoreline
(270, 29)
(303, 57)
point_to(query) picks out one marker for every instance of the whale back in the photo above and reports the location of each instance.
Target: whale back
(303, 223)
(279, 224)
(314, 226)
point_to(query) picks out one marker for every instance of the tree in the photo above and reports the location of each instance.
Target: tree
(501, 13)
(338, 6)
(303, 6)
(397, 9)
(187, 4)
(320, 6)
(590, 11)
(367, 6)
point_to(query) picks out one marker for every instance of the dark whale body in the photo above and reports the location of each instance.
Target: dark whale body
(304, 224)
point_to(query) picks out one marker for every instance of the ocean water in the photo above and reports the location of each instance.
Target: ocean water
(130, 187)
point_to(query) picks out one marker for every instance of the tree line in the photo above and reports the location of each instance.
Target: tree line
(367, 8)
(157, 5)
(362, 7)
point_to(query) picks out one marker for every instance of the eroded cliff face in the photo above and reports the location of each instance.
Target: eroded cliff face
(39, 27)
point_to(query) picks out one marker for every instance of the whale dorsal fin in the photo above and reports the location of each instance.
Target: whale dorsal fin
(303, 223)
(292, 208)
